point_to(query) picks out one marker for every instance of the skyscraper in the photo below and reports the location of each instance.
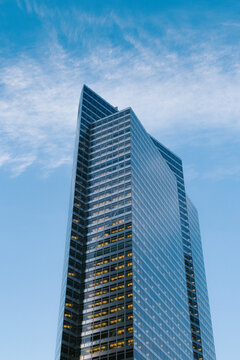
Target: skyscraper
(134, 284)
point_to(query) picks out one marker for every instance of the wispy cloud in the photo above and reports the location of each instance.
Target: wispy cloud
(216, 173)
(221, 173)
(231, 24)
(38, 110)
(4, 158)
(169, 91)
(190, 173)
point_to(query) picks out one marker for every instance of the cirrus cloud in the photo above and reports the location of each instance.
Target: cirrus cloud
(167, 90)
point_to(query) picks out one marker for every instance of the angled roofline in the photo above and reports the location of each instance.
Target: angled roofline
(158, 142)
(87, 87)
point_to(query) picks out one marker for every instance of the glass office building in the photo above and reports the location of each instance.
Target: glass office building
(134, 284)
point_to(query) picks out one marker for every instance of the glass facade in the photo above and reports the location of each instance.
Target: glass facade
(201, 287)
(134, 285)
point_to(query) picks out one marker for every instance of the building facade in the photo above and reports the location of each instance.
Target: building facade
(134, 284)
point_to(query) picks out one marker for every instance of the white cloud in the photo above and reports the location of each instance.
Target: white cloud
(168, 91)
(4, 158)
(190, 173)
(20, 163)
(220, 173)
(38, 110)
(230, 169)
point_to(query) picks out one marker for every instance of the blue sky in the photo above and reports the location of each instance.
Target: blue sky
(177, 63)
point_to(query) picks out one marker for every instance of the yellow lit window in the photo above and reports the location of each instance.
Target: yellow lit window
(104, 281)
(130, 341)
(68, 315)
(96, 315)
(120, 331)
(118, 222)
(117, 298)
(119, 267)
(116, 345)
(99, 263)
(68, 304)
(130, 329)
(98, 349)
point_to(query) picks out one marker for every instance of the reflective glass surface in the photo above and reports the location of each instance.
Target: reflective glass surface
(133, 285)
(161, 321)
(201, 285)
